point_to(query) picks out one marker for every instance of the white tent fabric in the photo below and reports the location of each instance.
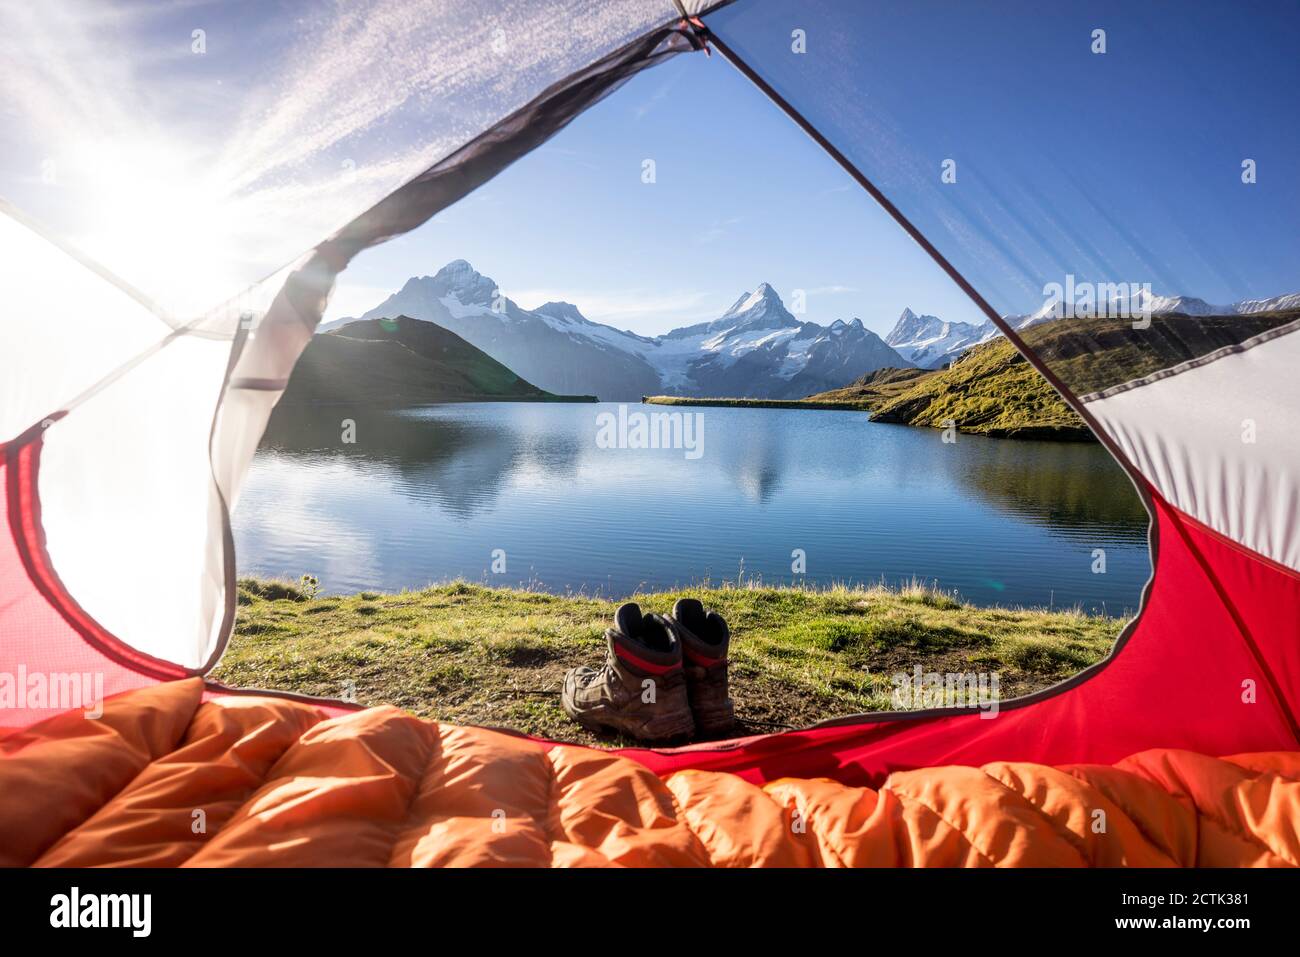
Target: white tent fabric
(1215, 438)
(214, 195)
(54, 307)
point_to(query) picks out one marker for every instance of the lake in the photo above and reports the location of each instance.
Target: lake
(542, 495)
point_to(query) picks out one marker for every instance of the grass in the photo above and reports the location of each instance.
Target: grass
(470, 654)
(854, 404)
(864, 395)
(991, 390)
(1094, 354)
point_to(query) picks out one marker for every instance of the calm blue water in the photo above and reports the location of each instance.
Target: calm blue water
(428, 494)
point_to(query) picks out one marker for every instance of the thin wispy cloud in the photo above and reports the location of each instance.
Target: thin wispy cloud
(718, 229)
(655, 99)
(194, 173)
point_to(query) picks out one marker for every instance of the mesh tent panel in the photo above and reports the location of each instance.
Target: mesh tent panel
(1098, 202)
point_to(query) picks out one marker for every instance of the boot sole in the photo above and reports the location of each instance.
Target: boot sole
(715, 722)
(605, 720)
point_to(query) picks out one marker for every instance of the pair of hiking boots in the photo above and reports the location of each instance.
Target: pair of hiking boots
(664, 677)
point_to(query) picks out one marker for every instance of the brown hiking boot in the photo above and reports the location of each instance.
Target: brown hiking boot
(705, 641)
(640, 690)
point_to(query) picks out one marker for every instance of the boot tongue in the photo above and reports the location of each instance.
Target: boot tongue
(690, 614)
(628, 619)
(717, 632)
(708, 627)
(648, 630)
(689, 611)
(657, 634)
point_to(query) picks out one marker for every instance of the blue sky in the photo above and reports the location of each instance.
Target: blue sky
(1113, 163)
(192, 174)
(1114, 167)
(740, 197)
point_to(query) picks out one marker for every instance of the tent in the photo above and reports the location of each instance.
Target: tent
(130, 410)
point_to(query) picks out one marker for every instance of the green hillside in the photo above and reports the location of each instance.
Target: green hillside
(1094, 354)
(862, 395)
(991, 390)
(875, 388)
(401, 361)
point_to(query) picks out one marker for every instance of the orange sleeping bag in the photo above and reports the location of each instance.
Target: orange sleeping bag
(166, 778)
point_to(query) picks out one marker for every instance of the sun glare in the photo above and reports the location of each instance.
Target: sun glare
(163, 224)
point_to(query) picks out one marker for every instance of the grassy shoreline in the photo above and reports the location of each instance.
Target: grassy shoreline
(470, 654)
(405, 403)
(991, 391)
(879, 412)
(853, 406)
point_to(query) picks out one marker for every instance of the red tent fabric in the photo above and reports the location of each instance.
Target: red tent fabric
(1210, 664)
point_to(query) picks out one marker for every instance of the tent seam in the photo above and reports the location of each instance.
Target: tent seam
(1066, 835)
(1123, 807)
(1268, 335)
(680, 812)
(409, 822)
(25, 523)
(1138, 480)
(919, 802)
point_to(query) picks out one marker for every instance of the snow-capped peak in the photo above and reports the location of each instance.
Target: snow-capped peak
(566, 311)
(911, 328)
(763, 296)
(1187, 305)
(757, 310)
(461, 280)
(1248, 306)
(930, 341)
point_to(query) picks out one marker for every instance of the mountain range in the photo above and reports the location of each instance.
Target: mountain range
(993, 390)
(932, 343)
(755, 348)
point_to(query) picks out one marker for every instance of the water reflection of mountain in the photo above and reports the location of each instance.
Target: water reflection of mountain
(1054, 484)
(464, 460)
(1062, 485)
(459, 465)
(760, 467)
